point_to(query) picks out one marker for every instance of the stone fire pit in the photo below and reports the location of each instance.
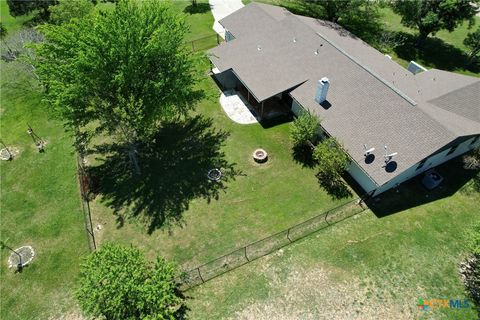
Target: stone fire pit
(260, 156)
(214, 174)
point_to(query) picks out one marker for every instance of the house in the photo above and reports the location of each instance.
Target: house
(414, 120)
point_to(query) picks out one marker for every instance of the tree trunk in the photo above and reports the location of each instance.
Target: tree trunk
(422, 38)
(133, 155)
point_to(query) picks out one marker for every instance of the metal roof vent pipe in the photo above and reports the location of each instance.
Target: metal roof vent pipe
(322, 90)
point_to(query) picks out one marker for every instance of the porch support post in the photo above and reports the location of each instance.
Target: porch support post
(261, 112)
(248, 95)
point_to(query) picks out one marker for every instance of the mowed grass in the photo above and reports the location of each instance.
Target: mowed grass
(40, 203)
(365, 267)
(262, 200)
(444, 50)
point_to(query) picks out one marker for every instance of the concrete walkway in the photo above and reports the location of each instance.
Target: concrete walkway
(236, 108)
(221, 9)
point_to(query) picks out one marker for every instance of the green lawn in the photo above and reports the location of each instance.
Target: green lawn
(40, 204)
(366, 266)
(261, 200)
(444, 50)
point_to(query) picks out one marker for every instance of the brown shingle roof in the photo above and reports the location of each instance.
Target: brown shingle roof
(374, 101)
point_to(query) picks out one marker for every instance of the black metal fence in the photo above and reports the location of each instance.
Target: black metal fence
(268, 245)
(84, 182)
(204, 43)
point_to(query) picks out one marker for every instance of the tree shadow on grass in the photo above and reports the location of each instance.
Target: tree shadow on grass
(174, 172)
(436, 53)
(304, 156)
(335, 186)
(198, 8)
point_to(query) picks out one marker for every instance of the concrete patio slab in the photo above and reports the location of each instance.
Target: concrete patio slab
(236, 108)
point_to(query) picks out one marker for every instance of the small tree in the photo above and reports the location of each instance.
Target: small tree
(432, 16)
(304, 130)
(67, 10)
(331, 158)
(472, 41)
(117, 282)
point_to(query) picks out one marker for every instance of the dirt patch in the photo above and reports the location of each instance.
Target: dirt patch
(315, 294)
(13, 150)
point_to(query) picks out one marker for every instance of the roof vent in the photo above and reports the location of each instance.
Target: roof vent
(322, 90)
(415, 68)
(294, 39)
(259, 47)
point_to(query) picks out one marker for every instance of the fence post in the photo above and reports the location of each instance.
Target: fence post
(288, 235)
(200, 275)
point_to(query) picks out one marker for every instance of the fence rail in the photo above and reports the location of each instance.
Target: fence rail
(260, 248)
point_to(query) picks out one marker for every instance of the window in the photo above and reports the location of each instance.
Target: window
(452, 149)
(420, 165)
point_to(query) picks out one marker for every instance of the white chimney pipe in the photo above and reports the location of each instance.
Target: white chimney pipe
(322, 90)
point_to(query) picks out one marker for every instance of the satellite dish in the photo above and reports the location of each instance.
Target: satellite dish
(368, 151)
(388, 157)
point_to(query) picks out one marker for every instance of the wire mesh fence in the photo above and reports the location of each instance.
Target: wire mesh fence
(255, 250)
(84, 181)
(204, 43)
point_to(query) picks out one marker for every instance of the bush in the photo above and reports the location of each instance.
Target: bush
(331, 161)
(304, 130)
(117, 282)
(331, 158)
(471, 161)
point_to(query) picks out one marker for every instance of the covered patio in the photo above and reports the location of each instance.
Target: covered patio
(275, 106)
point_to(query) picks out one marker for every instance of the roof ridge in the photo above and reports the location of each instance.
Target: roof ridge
(373, 73)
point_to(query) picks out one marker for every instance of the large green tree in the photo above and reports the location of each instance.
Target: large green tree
(430, 16)
(117, 282)
(333, 10)
(22, 7)
(122, 72)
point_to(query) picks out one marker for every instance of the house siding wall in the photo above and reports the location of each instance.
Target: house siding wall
(227, 79)
(432, 161)
(464, 145)
(361, 177)
(297, 109)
